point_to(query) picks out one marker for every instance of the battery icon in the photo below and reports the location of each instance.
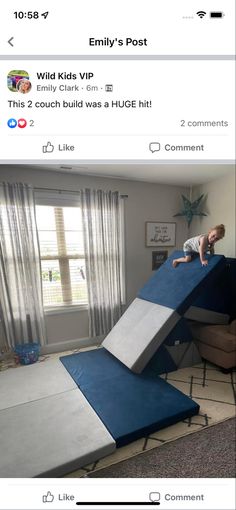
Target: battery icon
(216, 14)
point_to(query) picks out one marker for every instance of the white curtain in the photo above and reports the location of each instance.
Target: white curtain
(21, 304)
(101, 224)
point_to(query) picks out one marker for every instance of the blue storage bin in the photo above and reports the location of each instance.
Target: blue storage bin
(27, 353)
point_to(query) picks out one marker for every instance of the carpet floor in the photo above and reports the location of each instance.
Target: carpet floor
(205, 454)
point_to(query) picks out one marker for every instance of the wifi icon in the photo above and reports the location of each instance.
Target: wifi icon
(201, 14)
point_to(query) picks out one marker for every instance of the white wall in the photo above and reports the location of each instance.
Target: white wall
(219, 204)
(145, 202)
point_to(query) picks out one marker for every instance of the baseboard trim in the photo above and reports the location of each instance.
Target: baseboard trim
(70, 344)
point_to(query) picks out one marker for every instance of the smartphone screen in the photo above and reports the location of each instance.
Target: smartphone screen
(117, 255)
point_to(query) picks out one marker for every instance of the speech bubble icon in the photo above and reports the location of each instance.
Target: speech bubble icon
(154, 146)
(154, 497)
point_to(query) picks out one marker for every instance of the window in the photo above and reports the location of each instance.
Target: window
(62, 255)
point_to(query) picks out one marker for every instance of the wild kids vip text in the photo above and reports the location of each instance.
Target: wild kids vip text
(65, 76)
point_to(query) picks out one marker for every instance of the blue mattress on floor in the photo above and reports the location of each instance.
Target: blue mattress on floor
(130, 405)
(179, 287)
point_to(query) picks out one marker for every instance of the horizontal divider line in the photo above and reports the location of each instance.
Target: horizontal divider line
(117, 503)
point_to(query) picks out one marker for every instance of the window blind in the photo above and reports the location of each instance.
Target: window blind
(62, 255)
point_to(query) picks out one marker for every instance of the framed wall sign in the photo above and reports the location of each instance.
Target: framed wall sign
(160, 234)
(158, 257)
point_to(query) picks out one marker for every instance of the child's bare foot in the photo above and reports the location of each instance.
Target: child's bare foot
(175, 263)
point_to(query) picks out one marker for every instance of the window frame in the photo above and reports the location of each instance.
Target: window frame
(62, 198)
(58, 200)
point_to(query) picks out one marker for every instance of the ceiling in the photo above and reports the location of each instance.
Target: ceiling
(175, 174)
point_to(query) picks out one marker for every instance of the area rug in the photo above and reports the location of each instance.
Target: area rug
(214, 391)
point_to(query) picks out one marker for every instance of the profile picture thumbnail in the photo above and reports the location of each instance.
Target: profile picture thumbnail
(24, 86)
(18, 81)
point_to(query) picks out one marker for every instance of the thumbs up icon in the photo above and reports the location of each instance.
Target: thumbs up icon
(48, 498)
(48, 148)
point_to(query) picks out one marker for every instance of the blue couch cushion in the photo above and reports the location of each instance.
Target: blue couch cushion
(130, 405)
(162, 362)
(181, 333)
(179, 287)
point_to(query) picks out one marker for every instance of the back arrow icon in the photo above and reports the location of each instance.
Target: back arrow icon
(10, 41)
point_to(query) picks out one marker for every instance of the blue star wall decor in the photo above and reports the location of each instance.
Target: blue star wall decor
(190, 209)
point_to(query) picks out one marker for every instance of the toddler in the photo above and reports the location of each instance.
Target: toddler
(201, 244)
